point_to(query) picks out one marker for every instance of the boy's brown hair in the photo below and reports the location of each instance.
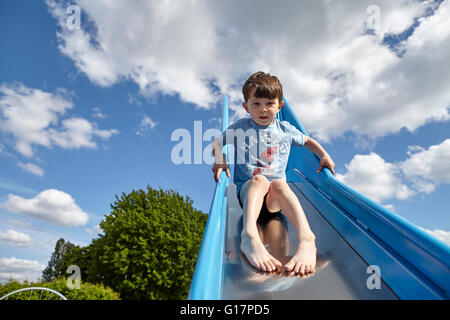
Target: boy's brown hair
(267, 86)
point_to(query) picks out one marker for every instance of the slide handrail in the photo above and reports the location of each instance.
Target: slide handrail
(427, 257)
(207, 280)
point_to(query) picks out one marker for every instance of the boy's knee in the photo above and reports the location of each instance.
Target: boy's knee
(260, 180)
(278, 186)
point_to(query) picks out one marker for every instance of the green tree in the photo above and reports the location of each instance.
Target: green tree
(150, 244)
(57, 266)
(148, 248)
(88, 260)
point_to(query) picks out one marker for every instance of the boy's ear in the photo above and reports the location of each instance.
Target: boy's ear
(280, 105)
(245, 106)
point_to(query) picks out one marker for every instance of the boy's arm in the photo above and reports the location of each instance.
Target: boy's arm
(325, 159)
(219, 160)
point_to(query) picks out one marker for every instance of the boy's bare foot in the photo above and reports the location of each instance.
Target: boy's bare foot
(257, 254)
(304, 260)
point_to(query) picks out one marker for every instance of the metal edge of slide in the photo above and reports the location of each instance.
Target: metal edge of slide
(415, 265)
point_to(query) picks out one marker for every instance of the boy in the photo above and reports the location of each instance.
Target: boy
(262, 147)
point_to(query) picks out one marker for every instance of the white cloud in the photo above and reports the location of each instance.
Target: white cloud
(52, 206)
(98, 113)
(15, 238)
(432, 32)
(77, 133)
(26, 112)
(31, 116)
(428, 168)
(337, 77)
(31, 167)
(20, 269)
(400, 18)
(95, 231)
(145, 125)
(421, 172)
(389, 207)
(442, 235)
(377, 179)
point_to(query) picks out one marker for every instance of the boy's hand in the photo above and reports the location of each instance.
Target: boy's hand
(218, 168)
(326, 161)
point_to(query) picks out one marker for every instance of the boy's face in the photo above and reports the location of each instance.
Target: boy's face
(262, 110)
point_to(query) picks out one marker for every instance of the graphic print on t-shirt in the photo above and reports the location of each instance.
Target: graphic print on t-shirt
(261, 150)
(264, 161)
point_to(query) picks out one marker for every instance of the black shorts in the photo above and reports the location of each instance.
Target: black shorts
(265, 215)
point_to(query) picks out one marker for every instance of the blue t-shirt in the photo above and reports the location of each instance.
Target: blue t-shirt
(260, 149)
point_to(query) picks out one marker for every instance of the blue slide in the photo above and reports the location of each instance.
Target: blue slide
(364, 250)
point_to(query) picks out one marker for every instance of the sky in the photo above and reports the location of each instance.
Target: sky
(95, 97)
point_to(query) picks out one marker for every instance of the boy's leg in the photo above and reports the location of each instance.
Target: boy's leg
(281, 197)
(276, 236)
(251, 243)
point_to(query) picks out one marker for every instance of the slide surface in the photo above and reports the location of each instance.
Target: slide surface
(364, 250)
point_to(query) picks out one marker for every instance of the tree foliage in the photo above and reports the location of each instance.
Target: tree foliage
(148, 248)
(57, 266)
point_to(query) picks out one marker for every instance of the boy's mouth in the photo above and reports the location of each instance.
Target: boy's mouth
(264, 117)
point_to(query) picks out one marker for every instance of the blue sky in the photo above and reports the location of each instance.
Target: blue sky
(108, 97)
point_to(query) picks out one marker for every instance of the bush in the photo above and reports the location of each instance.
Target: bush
(150, 244)
(148, 248)
(87, 291)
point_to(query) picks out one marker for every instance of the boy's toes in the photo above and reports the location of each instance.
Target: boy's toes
(277, 264)
(289, 266)
(261, 266)
(299, 268)
(302, 269)
(258, 265)
(273, 265)
(266, 265)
